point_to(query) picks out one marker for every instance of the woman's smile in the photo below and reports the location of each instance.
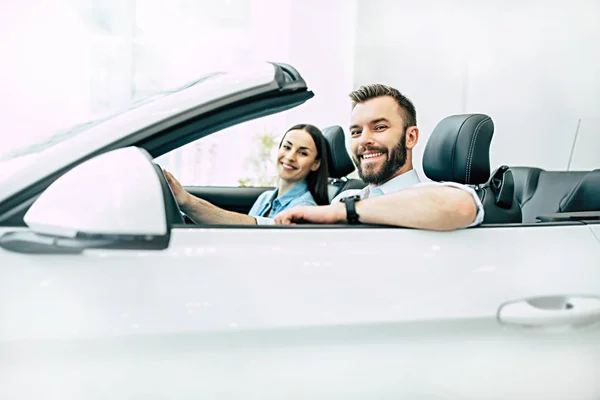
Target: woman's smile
(288, 167)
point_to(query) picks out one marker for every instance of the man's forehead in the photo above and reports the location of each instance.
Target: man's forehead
(372, 109)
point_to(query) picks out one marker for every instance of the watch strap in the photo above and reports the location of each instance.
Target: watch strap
(351, 215)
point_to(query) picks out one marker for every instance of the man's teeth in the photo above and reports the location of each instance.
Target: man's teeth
(371, 155)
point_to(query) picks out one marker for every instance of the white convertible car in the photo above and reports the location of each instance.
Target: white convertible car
(106, 292)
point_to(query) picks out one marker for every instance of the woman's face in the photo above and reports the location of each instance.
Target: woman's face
(297, 156)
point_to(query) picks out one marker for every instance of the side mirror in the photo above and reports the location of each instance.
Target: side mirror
(115, 200)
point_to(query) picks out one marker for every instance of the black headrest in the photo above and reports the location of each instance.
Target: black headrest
(340, 163)
(458, 149)
(585, 196)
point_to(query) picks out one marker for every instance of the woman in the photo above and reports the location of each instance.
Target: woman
(303, 172)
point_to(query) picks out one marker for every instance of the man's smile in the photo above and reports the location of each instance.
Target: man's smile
(371, 156)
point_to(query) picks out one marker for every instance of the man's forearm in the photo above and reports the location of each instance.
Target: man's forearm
(203, 212)
(439, 208)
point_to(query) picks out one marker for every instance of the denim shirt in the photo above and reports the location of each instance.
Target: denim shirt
(298, 195)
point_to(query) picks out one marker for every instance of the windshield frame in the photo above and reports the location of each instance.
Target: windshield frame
(56, 137)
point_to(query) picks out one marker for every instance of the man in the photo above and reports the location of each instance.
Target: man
(383, 133)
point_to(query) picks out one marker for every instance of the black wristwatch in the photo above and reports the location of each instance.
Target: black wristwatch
(351, 214)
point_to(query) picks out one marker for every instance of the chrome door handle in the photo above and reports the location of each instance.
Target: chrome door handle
(551, 311)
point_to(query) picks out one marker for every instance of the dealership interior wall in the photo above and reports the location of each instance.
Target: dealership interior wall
(532, 65)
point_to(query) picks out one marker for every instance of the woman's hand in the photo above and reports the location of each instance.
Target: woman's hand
(182, 197)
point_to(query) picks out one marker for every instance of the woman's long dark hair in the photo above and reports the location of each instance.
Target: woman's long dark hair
(316, 180)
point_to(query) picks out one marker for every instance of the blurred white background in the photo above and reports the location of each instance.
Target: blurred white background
(533, 65)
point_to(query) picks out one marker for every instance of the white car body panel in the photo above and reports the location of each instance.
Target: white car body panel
(281, 269)
(207, 96)
(276, 320)
(596, 230)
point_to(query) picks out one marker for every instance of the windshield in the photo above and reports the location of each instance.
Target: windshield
(63, 134)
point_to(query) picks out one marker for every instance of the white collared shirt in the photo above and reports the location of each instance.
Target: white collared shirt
(408, 180)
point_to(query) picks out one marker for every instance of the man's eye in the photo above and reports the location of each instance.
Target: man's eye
(286, 147)
(380, 127)
(354, 133)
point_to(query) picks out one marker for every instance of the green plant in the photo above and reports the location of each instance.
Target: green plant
(262, 163)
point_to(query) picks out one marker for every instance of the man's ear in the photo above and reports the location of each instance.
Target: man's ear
(412, 137)
(315, 165)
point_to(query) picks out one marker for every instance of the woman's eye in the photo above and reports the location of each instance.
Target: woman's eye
(354, 133)
(304, 154)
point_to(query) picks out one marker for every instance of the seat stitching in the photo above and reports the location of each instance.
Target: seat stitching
(467, 171)
(472, 148)
(454, 144)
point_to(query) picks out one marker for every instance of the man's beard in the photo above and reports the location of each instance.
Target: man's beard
(395, 159)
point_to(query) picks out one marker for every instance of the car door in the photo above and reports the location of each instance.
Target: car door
(305, 311)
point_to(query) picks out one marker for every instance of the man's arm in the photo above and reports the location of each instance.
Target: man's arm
(439, 208)
(201, 211)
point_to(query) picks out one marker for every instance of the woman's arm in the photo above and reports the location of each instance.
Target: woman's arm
(201, 211)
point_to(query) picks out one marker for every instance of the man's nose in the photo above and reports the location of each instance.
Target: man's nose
(366, 137)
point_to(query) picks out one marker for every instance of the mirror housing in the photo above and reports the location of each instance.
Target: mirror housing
(117, 194)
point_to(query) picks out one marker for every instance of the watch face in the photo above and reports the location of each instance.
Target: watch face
(355, 198)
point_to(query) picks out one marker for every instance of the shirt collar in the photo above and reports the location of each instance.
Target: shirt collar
(401, 182)
(296, 190)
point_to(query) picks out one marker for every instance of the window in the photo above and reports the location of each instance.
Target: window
(242, 155)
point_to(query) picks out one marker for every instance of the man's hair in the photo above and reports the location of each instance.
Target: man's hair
(368, 92)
